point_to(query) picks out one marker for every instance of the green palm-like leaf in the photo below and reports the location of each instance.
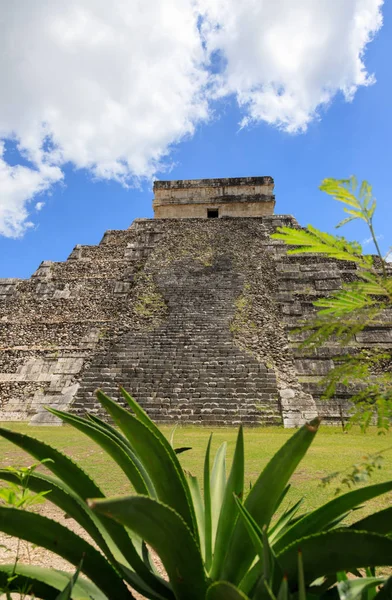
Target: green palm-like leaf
(314, 241)
(166, 531)
(261, 503)
(51, 535)
(340, 189)
(345, 302)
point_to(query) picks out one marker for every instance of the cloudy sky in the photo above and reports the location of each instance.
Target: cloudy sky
(98, 100)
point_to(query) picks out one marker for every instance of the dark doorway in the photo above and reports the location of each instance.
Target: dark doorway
(212, 213)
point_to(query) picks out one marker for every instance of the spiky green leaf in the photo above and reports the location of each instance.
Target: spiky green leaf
(320, 518)
(46, 583)
(353, 589)
(51, 535)
(169, 535)
(223, 590)
(260, 504)
(121, 454)
(157, 457)
(229, 513)
(207, 507)
(333, 551)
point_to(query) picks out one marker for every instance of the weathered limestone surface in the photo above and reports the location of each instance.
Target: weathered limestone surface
(234, 197)
(192, 316)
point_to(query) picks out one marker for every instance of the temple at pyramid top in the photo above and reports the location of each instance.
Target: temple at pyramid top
(214, 198)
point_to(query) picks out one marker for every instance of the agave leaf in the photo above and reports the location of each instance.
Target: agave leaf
(353, 589)
(81, 484)
(218, 487)
(284, 522)
(66, 594)
(263, 497)
(198, 504)
(46, 583)
(379, 522)
(254, 531)
(301, 577)
(319, 519)
(283, 593)
(334, 551)
(229, 513)
(63, 497)
(62, 466)
(124, 442)
(126, 460)
(51, 535)
(223, 590)
(386, 591)
(207, 507)
(283, 495)
(163, 592)
(109, 429)
(145, 419)
(166, 531)
(158, 458)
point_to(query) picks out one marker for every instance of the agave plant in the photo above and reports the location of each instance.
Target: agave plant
(214, 544)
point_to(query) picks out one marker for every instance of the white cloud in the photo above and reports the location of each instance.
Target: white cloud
(18, 185)
(110, 88)
(285, 59)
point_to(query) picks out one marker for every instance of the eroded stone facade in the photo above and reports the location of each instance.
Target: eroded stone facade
(193, 316)
(203, 198)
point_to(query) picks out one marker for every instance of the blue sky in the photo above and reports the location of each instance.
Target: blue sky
(345, 138)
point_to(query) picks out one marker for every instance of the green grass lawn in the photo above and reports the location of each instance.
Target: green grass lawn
(331, 451)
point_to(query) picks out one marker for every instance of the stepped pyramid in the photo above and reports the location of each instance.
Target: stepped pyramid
(191, 311)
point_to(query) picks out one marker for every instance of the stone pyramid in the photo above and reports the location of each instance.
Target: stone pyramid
(192, 312)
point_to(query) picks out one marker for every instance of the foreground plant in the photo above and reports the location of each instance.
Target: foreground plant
(359, 304)
(214, 544)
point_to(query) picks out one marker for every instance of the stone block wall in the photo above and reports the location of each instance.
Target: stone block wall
(194, 317)
(234, 197)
